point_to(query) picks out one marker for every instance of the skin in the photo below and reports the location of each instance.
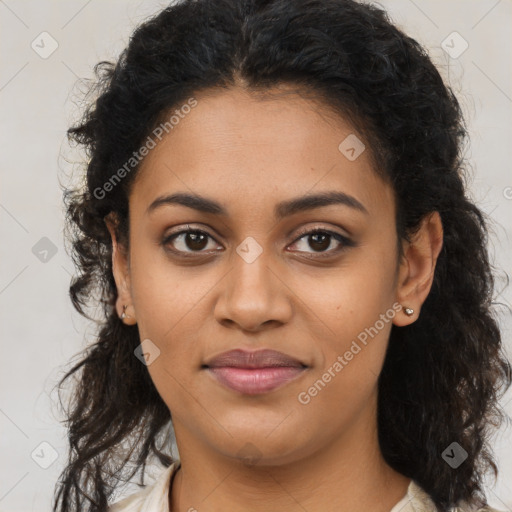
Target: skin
(249, 153)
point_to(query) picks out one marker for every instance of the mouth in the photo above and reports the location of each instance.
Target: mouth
(254, 373)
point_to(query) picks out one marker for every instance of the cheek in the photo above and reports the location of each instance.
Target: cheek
(168, 303)
(351, 297)
(170, 311)
(345, 381)
(355, 307)
(163, 293)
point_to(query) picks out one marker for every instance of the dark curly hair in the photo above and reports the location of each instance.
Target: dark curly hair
(442, 375)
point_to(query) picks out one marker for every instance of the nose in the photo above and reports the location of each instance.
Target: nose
(253, 296)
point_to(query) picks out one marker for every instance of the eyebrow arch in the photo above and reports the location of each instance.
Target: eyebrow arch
(281, 210)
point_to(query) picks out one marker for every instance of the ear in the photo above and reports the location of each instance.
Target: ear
(416, 271)
(121, 271)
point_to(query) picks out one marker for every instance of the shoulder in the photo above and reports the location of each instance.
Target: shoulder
(472, 509)
(152, 498)
(469, 509)
(421, 501)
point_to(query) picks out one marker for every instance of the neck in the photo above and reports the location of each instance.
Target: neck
(347, 474)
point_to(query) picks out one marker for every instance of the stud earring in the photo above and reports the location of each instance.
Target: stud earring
(123, 314)
(408, 311)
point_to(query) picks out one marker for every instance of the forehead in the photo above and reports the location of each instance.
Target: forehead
(253, 149)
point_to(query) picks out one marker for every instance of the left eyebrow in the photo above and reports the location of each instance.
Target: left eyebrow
(312, 201)
(281, 210)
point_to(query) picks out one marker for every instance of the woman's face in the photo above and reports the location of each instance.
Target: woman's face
(254, 279)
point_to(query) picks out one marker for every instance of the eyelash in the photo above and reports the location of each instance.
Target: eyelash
(344, 241)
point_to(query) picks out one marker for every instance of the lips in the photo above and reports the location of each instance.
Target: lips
(256, 372)
(258, 359)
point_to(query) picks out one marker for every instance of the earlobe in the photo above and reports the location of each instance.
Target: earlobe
(121, 272)
(417, 269)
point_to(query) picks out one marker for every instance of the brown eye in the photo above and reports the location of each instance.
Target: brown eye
(320, 240)
(188, 241)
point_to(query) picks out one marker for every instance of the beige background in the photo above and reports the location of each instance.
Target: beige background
(40, 332)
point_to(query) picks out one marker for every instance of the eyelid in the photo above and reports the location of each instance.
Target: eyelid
(184, 229)
(308, 230)
(188, 228)
(302, 231)
(344, 242)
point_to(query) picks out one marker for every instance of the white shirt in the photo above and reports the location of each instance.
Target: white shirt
(155, 498)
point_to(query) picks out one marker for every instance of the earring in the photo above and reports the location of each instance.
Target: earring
(127, 319)
(123, 314)
(408, 311)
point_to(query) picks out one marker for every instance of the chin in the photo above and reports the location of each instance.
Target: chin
(253, 446)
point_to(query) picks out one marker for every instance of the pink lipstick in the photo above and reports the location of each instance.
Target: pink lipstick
(253, 373)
